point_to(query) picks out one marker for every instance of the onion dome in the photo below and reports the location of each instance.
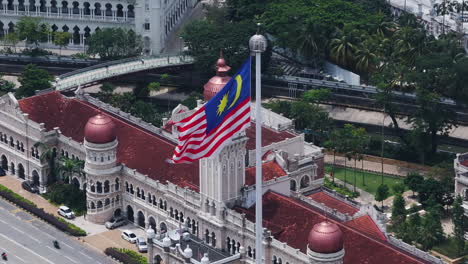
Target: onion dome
(216, 83)
(325, 237)
(100, 129)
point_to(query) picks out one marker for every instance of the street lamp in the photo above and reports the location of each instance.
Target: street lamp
(150, 234)
(258, 44)
(181, 43)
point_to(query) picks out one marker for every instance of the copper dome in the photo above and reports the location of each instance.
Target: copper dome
(215, 84)
(325, 237)
(100, 129)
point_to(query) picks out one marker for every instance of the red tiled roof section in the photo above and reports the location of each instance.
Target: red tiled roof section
(291, 221)
(333, 203)
(366, 225)
(270, 170)
(464, 163)
(138, 149)
(269, 136)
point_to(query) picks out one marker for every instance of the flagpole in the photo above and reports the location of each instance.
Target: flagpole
(258, 45)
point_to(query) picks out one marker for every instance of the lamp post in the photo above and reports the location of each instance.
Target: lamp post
(150, 235)
(258, 44)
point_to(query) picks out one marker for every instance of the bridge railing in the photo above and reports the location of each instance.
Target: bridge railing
(116, 68)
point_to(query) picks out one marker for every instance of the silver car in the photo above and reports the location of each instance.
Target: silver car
(141, 245)
(115, 222)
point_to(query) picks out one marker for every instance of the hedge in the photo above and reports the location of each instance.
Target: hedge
(17, 196)
(125, 256)
(29, 206)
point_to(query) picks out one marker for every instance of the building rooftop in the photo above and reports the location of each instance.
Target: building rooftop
(290, 221)
(366, 225)
(270, 170)
(333, 203)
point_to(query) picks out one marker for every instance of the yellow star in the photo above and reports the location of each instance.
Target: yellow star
(222, 104)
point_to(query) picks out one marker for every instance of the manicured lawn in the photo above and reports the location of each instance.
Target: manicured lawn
(371, 180)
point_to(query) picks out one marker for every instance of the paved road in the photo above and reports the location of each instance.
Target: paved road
(29, 240)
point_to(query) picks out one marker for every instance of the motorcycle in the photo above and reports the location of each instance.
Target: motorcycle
(56, 244)
(4, 256)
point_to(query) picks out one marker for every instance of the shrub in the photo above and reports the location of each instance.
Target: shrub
(16, 196)
(340, 188)
(125, 256)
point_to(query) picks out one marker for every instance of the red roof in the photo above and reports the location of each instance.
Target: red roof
(270, 170)
(138, 149)
(291, 220)
(366, 225)
(464, 163)
(333, 203)
(269, 136)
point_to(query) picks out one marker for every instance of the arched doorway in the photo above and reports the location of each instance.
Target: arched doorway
(130, 215)
(305, 182)
(292, 185)
(163, 227)
(152, 223)
(21, 171)
(157, 259)
(141, 219)
(76, 182)
(117, 212)
(4, 163)
(35, 178)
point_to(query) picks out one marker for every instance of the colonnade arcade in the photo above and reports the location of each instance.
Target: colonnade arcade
(69, 9)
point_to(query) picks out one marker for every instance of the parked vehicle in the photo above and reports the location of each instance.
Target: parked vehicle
(129, 236)
(2, 172)
(141, 245)
(28, 186)
(115, 222)
(65, 212)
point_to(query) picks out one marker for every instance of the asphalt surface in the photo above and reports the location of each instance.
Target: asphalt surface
(27, 239)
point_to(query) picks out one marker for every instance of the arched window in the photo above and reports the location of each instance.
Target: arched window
(131, 189)
(181, 217)
(93, 188)
(106, 186)
(189, 224)
(249, 252)
(228, 244)
(176, 214)
(155, 202)
(99, 187)
(127, 189)
(143, 194)
(138, 192)
(213, 239)
(207, 236)
(117, 184)
(149, 197)
(93, 206)
(161, 205)
(171, 212)
(99, 204)
(107, 202)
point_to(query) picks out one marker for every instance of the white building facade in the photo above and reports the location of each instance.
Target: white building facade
(153, 20)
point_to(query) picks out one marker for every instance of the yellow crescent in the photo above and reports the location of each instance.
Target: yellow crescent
(238, 91)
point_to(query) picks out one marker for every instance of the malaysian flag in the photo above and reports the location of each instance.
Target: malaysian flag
(215, 123)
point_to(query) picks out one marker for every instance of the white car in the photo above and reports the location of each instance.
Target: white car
(65, 212)
(129, 236)
(141, 245)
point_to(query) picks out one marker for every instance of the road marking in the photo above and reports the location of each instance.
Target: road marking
(16, 243)
(31, 237)
(17, 230)
(3, 222)
(50, 248)
(71, 259)
(20, 259)
(67, 245)
(85, 255)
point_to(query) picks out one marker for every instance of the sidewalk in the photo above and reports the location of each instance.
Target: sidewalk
(99, 237)
(376, 166)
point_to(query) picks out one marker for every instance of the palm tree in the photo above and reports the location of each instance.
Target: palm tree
(67, 167)
(342, 47)
(308, 41)
(47, 155)
(443, 9)
(365, 59)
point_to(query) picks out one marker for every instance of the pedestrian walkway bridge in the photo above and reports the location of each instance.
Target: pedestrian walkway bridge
(103, 71)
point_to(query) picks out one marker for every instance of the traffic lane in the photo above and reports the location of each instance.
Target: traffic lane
(38, 236)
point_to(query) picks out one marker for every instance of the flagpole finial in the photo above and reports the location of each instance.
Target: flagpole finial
(221, 54)
(258, 28)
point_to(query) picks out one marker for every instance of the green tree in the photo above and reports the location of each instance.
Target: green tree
(332, 145)
(398, 210)
(191, 101)
(6, 86)
(31, 30)
(342, 47)
(115, 43)
(312, 118)
(33, 79)
(431, 232)
(382, 193)
(459, 224)
(413, 181)
(47, 155)
(67, 167)
(317, 95)
(107, 88)
(154, 86)
(12, 39)
(61, 39)
(414, 222)
(398, 188)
